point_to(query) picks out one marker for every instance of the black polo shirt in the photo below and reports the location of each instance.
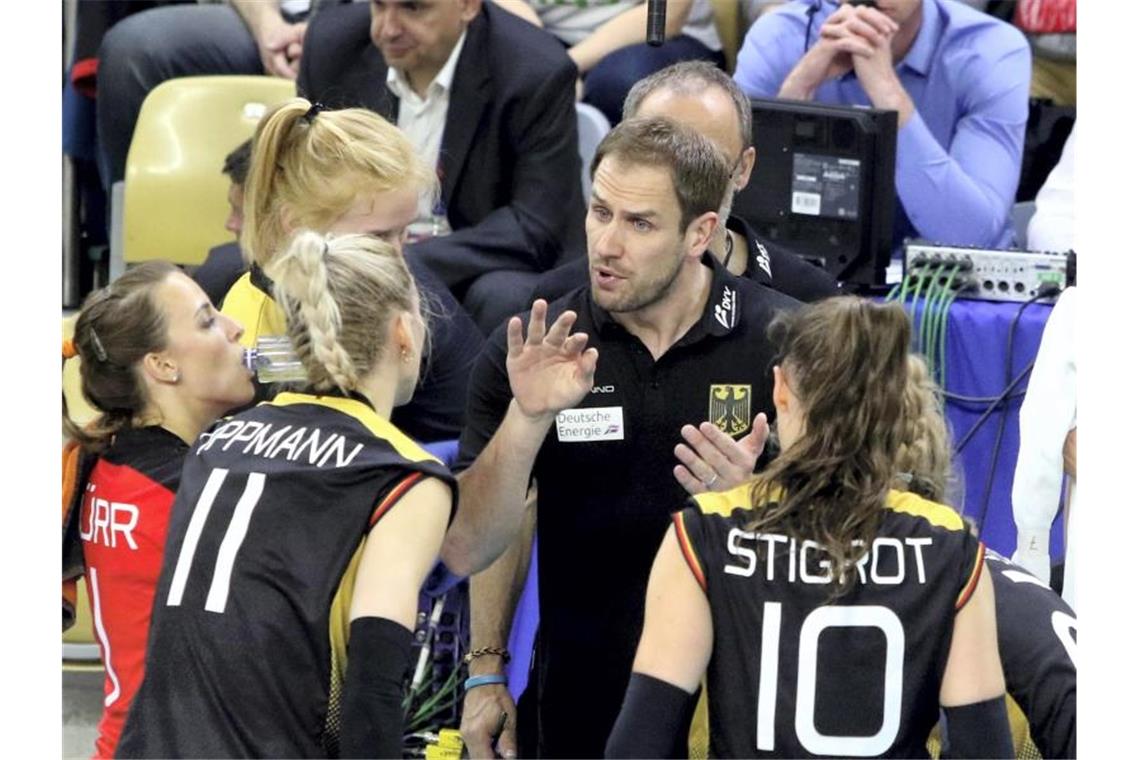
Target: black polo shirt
(778, 267)
(606, 487)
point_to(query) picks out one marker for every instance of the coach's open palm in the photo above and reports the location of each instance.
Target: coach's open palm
(549, 370)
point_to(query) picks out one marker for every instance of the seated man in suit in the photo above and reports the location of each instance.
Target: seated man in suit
(505, 147)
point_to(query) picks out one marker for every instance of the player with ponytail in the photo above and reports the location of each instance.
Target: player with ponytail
(159, 364)
(301, 535)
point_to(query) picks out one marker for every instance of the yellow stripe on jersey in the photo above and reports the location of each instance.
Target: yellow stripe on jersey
(931, 511)
(254, 310)
(723, 502)
(365, 415)
(338, 645)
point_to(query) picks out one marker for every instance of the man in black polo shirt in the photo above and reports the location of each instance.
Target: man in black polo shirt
(680, 342)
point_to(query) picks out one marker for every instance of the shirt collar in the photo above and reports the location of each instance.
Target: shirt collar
(920, 57)
(401, 88)
(922, 51)
(721, 315)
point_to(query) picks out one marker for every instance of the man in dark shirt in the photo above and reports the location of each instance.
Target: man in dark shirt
(224, 265)
(682, 354)
(702, 97)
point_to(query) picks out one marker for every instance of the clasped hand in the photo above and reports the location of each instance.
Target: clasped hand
(856, 38)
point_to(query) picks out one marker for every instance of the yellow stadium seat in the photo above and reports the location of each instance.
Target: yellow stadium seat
(174, 197)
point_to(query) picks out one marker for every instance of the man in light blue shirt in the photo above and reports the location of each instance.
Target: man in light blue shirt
(958, 78)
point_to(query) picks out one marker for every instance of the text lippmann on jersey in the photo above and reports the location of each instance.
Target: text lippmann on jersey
(261, 439)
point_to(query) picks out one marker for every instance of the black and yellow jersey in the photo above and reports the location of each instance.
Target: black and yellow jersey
(250, 302)
(246, 648)
(795, 672)
(1037, 637)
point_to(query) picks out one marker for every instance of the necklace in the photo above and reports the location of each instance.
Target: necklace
(727, 248)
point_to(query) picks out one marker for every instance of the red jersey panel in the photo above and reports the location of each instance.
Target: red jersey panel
(122, 526)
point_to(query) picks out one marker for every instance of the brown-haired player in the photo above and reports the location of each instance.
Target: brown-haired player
(833, 615)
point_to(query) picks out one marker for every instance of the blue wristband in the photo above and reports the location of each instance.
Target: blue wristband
(475, 681)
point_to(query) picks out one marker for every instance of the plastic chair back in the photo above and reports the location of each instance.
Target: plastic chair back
(175, 193)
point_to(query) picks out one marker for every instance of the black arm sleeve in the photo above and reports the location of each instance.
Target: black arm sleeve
(372, 716)
(654, 720)
(980, 729)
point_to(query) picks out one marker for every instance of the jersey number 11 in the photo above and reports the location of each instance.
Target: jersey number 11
(231, 542)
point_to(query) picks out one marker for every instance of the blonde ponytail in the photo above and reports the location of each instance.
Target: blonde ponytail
(310, 166)
(261, 219)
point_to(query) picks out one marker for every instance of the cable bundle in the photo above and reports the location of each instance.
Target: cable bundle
(932, 286)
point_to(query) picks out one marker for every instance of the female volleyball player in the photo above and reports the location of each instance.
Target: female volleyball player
(303, 525)
(833, 615)
(350, 171)
(160, 365)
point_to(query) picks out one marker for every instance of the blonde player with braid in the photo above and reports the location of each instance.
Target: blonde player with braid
(297, 522)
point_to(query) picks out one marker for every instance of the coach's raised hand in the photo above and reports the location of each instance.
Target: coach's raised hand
(549, 370)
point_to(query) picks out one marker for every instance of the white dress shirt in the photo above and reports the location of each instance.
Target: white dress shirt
(1048, 413)
(1054, 222)
(422, 121)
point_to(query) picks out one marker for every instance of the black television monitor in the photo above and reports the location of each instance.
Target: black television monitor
(824, 185)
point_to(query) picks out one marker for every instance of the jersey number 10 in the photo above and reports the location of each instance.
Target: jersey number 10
(231, 542)
(820, 619)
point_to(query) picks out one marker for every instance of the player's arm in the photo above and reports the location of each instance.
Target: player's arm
(676, 643)
(494, 597)
(398, 554)
(549, 370)
(973, 687)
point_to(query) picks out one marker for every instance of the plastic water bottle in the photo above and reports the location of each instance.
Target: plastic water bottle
(274, 360)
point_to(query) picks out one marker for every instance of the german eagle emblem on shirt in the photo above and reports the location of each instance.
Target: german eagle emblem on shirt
(730, 407)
